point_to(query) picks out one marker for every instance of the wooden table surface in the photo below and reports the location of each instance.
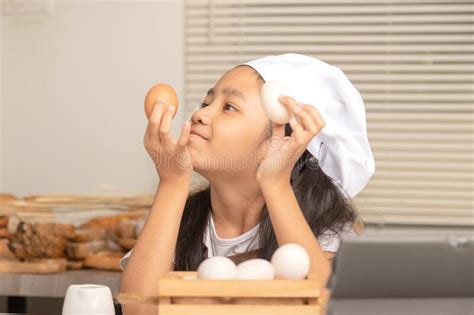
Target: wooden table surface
(56, 284)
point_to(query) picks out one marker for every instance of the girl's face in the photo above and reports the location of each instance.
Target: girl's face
(233, 124)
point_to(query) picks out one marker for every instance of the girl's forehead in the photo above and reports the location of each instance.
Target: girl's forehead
(242, 72)
(243, 79)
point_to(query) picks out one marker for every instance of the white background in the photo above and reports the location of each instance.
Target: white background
(72, 91)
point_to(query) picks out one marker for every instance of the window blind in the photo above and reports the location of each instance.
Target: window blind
(412, 62)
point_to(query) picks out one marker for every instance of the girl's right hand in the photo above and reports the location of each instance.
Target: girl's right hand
(171, 158)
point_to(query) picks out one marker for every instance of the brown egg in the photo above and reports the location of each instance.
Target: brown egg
(160, 90)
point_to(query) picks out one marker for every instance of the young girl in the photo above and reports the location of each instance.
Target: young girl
(266, 188)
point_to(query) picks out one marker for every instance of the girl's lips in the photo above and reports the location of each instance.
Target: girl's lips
(192, 135)
(194, 132)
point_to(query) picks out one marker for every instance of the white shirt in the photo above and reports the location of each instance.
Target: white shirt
(246, 242)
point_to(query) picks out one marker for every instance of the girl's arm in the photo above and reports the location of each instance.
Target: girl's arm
(273, 174)
(290, 226)
(153, 252)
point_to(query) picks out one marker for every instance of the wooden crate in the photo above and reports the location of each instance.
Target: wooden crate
(182, 293)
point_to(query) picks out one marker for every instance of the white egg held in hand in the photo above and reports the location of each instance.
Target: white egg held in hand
(218, 268)
(255, 269)
(291, 261)
(272, 107)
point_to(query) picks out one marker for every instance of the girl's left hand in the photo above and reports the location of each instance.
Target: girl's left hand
(281, 153)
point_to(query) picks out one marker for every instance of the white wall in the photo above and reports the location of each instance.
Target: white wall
(73, 90)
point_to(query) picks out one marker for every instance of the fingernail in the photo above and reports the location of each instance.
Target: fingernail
(171, 108)
(160, 100)
(293, 120)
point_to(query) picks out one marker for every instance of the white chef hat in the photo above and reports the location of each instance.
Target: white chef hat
(341, 147)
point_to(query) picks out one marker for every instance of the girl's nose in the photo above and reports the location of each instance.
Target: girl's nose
(201, 116)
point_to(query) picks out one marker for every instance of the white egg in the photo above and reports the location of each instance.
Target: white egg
(291, 261)
(217, 267)
(272, 107)
(255, 269)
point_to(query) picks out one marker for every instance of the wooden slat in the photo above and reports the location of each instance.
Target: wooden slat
(328, 8)
(204, 3)
(330, 39)
(334, 20)
(420, 186)
(342, 47)
(413, 211)
(364, 68)
(237, 309)
(418, 220)
(326, 30)
(205, 76)
(232, 288)
(462, 197)
(417, 174)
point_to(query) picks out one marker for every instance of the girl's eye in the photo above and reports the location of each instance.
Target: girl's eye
(227, 105)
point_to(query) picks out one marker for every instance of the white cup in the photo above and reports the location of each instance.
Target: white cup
(88, 299)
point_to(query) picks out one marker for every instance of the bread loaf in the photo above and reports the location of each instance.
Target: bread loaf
(38, 266)
(126, 229)
(75, 265)
(7, 197)
(4, 233)
(127, 243)
(3, 221)
(5, 251)
(87, 235)
(77, 251)
(104, 260)
(43, 240)
(17, 249)
(109, 223)
(60, 262)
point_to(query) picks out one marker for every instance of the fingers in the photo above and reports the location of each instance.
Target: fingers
(306, 115)
(165, 127)
(288, 102)
(298, 132)
(153, 127)
(307, 121)
(320, 123)
(183, 138)
(158, 131)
